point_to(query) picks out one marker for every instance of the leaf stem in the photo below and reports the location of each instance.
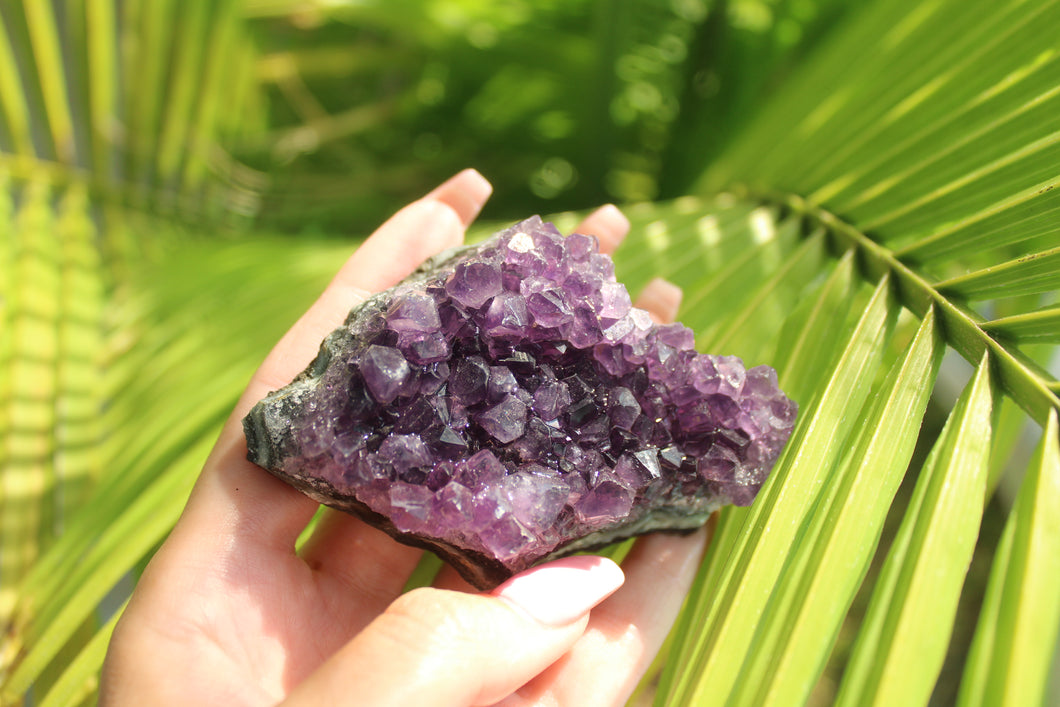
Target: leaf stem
(1032, 387)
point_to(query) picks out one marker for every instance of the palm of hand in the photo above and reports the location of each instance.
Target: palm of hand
(252, 625)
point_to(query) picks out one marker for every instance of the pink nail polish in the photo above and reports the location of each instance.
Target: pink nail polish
(561, 592)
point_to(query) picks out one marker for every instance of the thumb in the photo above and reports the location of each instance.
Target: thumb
(440, 647)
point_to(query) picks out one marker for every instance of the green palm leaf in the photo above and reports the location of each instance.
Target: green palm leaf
(811, 596)
(892, 200)
(921, 581)
(1042, 325)
(1010, 658)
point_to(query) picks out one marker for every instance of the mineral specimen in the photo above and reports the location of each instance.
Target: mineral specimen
(506, 404)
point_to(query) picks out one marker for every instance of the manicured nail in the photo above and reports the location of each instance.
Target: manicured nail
(467, 192)
(561, 592)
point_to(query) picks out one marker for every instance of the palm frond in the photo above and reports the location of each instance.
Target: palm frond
(894, 200)
(69, 245)
(136, 504)
(915, 600)
(886, 150)
(839, 535)
(1014, 642)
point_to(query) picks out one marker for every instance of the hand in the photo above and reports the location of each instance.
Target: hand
(229, 613)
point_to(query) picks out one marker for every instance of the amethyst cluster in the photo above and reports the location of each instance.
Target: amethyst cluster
(506, 404)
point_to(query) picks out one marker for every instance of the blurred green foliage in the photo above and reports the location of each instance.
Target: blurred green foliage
(563, 104)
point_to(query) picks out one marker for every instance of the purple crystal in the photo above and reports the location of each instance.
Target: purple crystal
(480, 470)
(415, 312)
(425, 347)
(467, 385)
(473, 284)
(385, 371)
(507, 316)
(606, 500)
(551, 399)
(505, 421)
(507, 404)
(549, 308)
(405, 452)
(410, 506)
(536, 499)
(614, 301)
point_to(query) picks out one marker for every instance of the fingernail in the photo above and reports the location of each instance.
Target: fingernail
(561, 592)
(612, 215)
(467, 191)
(476, 184)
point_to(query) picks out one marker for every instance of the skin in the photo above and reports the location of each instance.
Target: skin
(229, 613)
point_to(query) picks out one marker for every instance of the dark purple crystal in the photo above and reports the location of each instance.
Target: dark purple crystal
(507, 404)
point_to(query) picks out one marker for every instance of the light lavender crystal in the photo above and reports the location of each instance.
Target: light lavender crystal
(506, 404)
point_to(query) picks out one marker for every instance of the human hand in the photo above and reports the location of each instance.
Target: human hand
(229, 612)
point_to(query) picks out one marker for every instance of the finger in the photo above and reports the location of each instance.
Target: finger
(439, 647)
(420, 230)
(661, 298)
(367, 562)
(466, 192)
(627, 630)
(232, 494)
(449, 578)
(608, 224)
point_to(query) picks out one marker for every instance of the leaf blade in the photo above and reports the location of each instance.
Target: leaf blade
(751, 569)
(1017, 631)
(903, 639)
(1030, 274)
(795, 635)
(1041, 326)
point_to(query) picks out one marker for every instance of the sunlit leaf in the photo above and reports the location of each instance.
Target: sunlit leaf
(858, 168)
(760, 552)
(1016, 636)
(837, 539)
(1042, 325)
(1030, 274)
(903, 640)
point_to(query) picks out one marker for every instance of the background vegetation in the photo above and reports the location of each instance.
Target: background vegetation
(860, 194)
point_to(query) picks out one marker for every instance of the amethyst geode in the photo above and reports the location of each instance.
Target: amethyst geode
(506, 404)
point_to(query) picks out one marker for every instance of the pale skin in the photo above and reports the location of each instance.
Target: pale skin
(230, 613)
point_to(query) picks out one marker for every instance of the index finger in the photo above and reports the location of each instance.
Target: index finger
(413, 234)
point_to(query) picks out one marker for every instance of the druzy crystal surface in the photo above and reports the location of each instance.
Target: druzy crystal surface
(507, 404)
